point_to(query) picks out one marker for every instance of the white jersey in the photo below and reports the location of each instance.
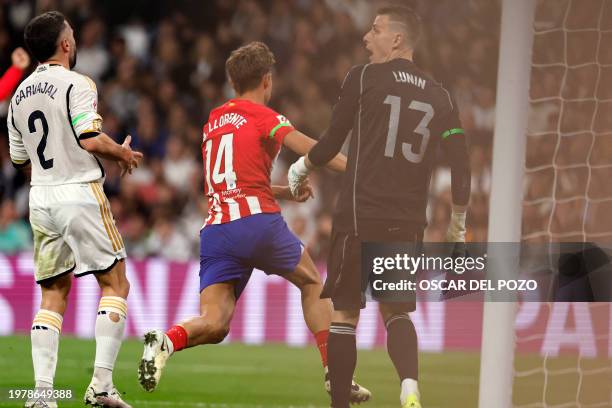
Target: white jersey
(50, 112)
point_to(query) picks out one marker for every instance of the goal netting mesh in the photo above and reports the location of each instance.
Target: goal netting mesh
(563, 355)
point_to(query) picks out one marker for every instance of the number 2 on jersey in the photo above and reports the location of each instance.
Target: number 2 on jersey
(421, 129)
(225, 153)
(40, 150)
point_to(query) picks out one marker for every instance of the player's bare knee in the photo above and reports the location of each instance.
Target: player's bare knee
(63, 291)
(305, 278)
(57, 288)
(123, 287)
(305, 273)
(311, 289)
(314, 278)
(55, 301)
(114, 282)
(115, 287)
(55, 293)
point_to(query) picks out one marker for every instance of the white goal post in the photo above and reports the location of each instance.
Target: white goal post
(505, 206)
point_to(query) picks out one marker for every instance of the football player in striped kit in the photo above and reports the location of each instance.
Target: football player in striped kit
(244, 229)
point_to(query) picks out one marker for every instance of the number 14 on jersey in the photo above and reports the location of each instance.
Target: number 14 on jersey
(224, 156)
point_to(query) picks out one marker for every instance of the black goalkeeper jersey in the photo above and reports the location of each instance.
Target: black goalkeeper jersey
(399, 117)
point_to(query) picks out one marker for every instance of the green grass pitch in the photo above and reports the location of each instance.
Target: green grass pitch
(241, 376)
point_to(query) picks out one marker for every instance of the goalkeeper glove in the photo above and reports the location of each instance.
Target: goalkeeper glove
(456, 228)
(298, 172)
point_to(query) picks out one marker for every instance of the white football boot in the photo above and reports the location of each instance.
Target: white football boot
(104, 399)
(154, 357)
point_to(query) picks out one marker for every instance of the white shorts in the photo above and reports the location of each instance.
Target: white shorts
(74, 230)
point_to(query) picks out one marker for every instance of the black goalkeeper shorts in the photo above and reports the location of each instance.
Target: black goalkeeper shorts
(346, 284)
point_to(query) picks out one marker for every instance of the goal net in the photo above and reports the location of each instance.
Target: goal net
(563, 351)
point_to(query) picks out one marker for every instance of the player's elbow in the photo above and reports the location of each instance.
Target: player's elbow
(19, 164)
(92, 144)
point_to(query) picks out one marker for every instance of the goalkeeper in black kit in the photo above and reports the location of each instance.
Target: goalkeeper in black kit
(400, 117)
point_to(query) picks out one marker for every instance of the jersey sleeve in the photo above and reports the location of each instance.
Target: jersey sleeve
(83, 104)
(454, 147)
(9, 81)
(342, 119)
(448, 123)
(274, 126)
(17, 150)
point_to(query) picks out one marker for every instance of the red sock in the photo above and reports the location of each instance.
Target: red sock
(178, 336)
(321, 338)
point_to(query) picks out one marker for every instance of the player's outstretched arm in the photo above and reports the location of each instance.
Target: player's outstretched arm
(10, 79)
(298, 172)
(327, 150)
(302, 144)
(103, 146)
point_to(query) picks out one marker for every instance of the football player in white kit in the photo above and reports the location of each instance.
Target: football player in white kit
(54, 129)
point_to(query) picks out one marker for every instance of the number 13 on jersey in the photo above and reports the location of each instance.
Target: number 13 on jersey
(224, 156)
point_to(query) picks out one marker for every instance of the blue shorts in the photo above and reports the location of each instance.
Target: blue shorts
(232, 250)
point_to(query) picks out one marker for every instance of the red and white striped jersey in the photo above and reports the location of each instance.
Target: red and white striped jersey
(241, 141)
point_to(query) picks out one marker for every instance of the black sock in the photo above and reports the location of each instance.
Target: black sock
(402, 346)
(342, 359)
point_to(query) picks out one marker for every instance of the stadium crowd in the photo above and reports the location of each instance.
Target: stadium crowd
(159, 68)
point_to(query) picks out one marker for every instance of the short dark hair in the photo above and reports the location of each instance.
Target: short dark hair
(248, 64)
(408, 17)
(42, 33)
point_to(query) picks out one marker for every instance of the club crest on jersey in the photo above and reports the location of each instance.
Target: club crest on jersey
(282, 119)
(97, 125)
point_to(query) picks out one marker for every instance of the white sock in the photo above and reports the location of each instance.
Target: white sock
(44, 334)
(102, 379)
(409, 386)
(110, 326)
